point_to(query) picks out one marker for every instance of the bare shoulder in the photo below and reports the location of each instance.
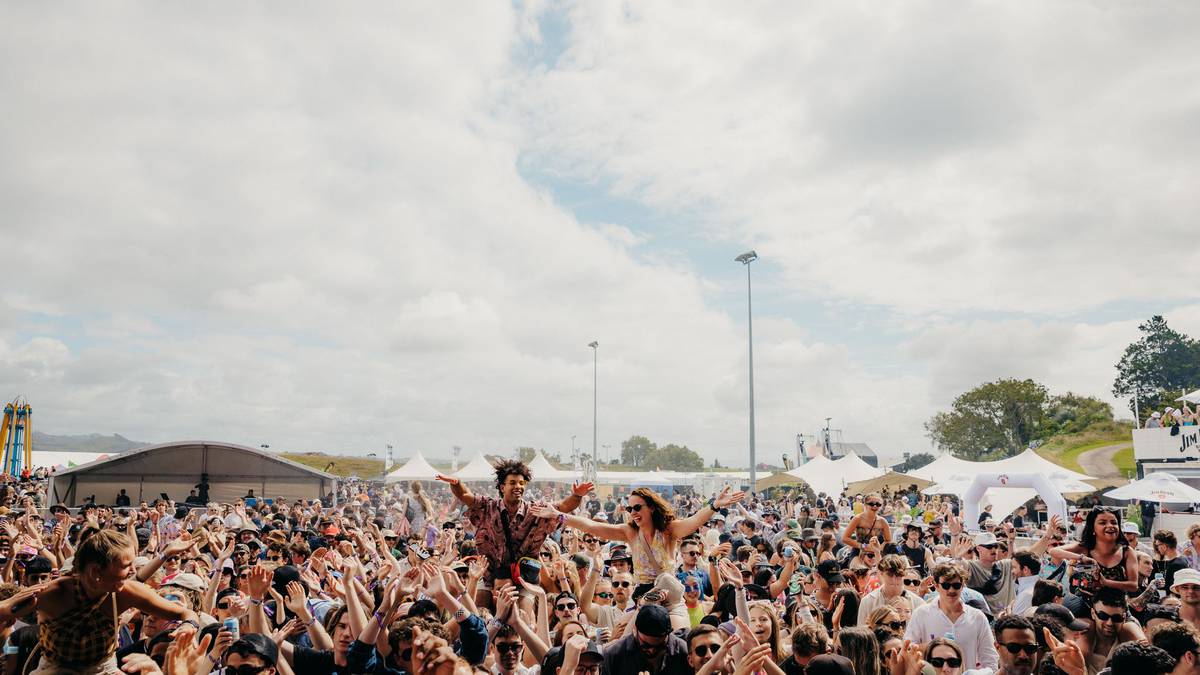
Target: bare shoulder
(57, 597)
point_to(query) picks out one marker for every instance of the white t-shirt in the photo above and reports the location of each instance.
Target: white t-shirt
(971, 631)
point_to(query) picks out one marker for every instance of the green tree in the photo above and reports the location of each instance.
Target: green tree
(915, 462)
(1072, 413)
(674, 458)
(1160, 364)
(634, 450)
(995, 419)
(716, 463)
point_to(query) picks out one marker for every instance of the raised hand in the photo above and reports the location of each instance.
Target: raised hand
(139, 664)
(258, 581)
(178, 546)
(449, 480)
(540, 510)
(581, 489)
(838, 608)
(725, 499)
(506, 600)
(1067, 655)
(296, 599)
(754, 660)
(184, 655)
(292, 628)
(730, 573)
(20, 604)
(747, 635)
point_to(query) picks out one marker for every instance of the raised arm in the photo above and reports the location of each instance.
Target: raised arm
(602, 530)
(682, 527)
(578, 492)
(459, 490)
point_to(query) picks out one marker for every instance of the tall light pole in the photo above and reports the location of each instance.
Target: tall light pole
(595, 350)
(747, 258)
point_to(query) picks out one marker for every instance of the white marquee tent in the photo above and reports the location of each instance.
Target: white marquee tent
(175, 468)
(542, 469)
(414, 469)
(478, 469)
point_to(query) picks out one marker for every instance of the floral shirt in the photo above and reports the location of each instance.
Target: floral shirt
(528, 533)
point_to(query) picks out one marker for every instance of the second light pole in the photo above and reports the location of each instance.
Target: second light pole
(595, 345)
(747, 258)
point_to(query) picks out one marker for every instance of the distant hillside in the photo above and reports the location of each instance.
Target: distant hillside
(83, 443)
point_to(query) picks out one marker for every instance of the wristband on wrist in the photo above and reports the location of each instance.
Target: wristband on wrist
(255, 601)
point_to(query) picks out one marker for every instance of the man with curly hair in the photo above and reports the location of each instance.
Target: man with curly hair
(505, 529)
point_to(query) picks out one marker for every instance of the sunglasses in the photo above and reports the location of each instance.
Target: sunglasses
(546, 554)
(222, 605)
(868, 555)
(912, 582)
(938, 661)
(636, 508)
(1018, 647)
(566, 607)
(173, 598)
(590, 540)
(245, 669)
(704, 650)
(603, 595)
(509, 647)
(875, 504)
(691, 553)
(648, 647)
(951, 586)
(989, 546)
(622, 584)
(1105, 616)
(895, 625)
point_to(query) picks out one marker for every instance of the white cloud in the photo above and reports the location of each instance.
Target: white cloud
(310, 229)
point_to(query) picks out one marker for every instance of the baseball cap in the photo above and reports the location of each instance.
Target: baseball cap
(792, 523)
(189, 581)
(830, 571)
(256, 644)
(1063, 615)
(985, 539)
(1128, 526)
(653, 620)
(809, 533)
(1185, 576)
(829, 664)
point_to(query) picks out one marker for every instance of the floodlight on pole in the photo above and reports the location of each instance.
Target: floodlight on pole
(747, 258)
(595, 345)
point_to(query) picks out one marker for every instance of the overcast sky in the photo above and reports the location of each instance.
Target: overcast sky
(329, 231)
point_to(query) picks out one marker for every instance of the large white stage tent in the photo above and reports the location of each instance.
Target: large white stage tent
(542, 469)
(832, 476)
(479, 469)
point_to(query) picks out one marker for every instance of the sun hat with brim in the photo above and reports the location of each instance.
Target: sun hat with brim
(1185, 576)
(1130, 527)
(985, 539)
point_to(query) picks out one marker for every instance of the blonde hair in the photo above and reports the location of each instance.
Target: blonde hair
(776, 640)
(102, 549)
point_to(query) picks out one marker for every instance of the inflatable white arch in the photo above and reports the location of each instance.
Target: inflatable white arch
(1055, 504)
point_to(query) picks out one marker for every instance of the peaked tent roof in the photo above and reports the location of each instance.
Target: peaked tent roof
(414, 469)
(852, 468)
(1030, 461)
(479, 468)
(542, 469)
(821, 474)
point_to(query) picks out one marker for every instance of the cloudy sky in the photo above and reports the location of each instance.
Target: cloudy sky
(333, 231)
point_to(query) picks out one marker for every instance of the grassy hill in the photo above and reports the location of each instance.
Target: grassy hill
(363, 467)
(83, 443)
(1065, 450)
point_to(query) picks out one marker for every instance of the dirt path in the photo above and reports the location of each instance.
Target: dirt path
(1098, 463)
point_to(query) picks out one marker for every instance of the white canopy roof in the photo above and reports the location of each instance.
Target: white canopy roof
(1159, 486)
(947, 467)
(56, 459)
(542, 469)
(852, 468)
(175, 468)
(414, 469)
(478, 469)
(820, 473)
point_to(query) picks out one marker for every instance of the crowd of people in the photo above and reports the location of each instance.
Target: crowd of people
(522, 578)
(1173, 417)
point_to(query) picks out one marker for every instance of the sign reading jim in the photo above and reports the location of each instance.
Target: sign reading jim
(1156, 445)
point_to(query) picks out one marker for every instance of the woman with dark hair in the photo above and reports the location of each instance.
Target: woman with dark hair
(653, 532)
(1101, 544)
(944, 655)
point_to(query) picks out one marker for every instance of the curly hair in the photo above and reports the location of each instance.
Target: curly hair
(511, 467)
(810, 639)
(402, 631)
(661, 513)
(1135, 657)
